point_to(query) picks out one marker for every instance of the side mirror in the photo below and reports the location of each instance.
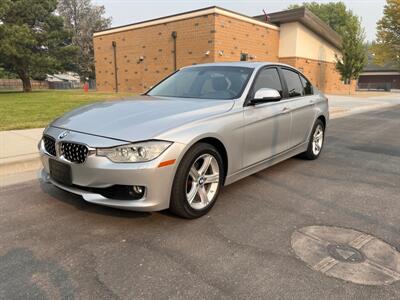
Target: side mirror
(266, 95)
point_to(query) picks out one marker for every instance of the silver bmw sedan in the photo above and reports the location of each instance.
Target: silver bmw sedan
(174, 147)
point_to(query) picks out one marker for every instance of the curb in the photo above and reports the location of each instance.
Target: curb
(342, 112)
(24, 165)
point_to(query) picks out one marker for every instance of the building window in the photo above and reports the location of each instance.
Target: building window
(244, 56)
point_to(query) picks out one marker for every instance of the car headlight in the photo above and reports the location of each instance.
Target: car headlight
(137, 152)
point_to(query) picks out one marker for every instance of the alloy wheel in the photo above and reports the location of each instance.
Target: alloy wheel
(202, 181)
(318, 138)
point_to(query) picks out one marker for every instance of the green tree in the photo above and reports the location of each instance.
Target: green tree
(348, 26)
(33, 40)
(387, 46)
(83, 19)
(6, 74)
(354, 52)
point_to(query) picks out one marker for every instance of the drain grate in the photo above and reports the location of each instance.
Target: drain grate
(347, 254)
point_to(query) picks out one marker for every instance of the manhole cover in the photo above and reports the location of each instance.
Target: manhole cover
(347, 254)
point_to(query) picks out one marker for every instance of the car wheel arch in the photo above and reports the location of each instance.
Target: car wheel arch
(217, 143)
(323, 119)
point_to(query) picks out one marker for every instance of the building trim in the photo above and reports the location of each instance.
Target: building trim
(380, 73)
(239, 16)
(308, 19)
(307, 58)
(184, 16)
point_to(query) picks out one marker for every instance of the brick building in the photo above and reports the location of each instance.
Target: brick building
(132, 58)
(379, 77)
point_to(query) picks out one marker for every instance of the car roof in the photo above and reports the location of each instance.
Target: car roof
(252, 64)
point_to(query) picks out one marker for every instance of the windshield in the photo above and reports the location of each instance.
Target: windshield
(212, 82)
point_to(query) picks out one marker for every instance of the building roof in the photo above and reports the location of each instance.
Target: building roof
(187, 15)
(51, 78)
(67, 77)
(308, 19)
(70, 77)
(373, 67)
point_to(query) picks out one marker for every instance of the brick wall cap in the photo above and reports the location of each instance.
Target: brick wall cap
(248, 64)
(211, 10)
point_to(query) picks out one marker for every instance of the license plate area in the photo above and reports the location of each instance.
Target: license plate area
(60, 172)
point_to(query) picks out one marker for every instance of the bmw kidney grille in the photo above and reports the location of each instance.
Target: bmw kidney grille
(75, 153)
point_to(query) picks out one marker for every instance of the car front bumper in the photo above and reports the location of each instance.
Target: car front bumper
(99, 172)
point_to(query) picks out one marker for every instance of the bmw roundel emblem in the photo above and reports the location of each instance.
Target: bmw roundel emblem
(63, 134)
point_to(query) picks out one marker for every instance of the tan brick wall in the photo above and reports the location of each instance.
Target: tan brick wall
(214, 32)
(322, 74)
(155, 44)
(196, 36)
(233, 36)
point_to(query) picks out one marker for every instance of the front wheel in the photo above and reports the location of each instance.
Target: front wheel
(197, 182)
(316, 141)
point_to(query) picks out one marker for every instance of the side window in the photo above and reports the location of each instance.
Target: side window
(308, 90)
(295, 87)
(268, 78)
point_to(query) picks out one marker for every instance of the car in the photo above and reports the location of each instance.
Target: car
(174, 147)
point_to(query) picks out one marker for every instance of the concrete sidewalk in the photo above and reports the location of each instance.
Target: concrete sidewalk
(341, 106)
(18, 148)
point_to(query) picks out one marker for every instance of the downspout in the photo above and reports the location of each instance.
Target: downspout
(114, 45)
(174, 35)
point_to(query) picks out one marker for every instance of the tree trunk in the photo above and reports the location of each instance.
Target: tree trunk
(26, 82)
(349, 86)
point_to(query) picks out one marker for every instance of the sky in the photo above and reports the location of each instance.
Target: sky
(131, 11)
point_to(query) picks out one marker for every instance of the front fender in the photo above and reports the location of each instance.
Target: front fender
(227, 128)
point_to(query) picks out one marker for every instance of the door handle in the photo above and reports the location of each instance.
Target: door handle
(311, 101)
(285, 110)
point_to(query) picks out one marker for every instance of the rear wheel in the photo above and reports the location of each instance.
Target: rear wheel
(316, 141)
(197, 182)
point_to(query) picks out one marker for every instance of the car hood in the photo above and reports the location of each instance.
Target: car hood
(139, 118)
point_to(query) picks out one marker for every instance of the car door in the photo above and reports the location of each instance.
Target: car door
(301, 105)
(267, 125)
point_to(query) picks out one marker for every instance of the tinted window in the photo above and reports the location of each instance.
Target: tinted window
(268, 78)
(306, 85)
(216, 82)
(295, 87)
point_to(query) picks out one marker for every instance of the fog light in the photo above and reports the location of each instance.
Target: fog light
(137, 190)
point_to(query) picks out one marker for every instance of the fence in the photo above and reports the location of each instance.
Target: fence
(92, 84)
(16, 85)
(64, 85)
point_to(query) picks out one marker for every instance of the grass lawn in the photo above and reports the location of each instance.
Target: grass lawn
(20, 110)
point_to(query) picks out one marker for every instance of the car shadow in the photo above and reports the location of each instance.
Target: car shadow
(79, 203)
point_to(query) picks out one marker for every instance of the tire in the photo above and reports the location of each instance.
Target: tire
(195, 190)
(312, 152)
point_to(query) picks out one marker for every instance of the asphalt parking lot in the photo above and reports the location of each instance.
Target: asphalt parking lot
(54, 245)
